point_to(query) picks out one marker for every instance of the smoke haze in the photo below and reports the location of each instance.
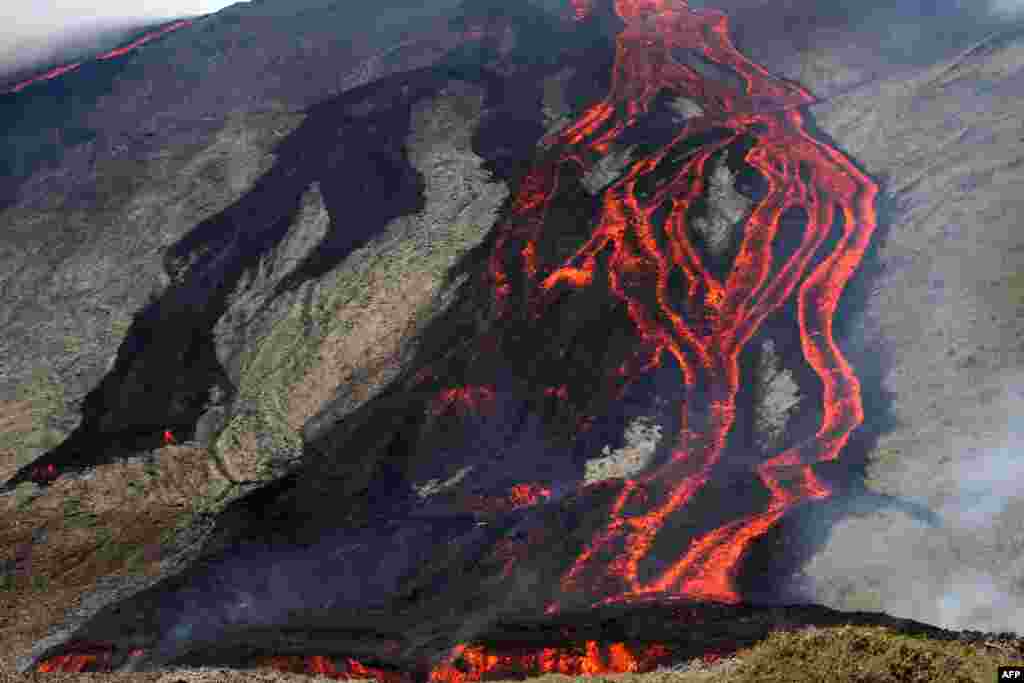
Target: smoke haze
(32, 33)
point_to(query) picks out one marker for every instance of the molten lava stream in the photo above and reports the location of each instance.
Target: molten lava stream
(475, 663)
(326, 666)
(88, 657)
(706, 331)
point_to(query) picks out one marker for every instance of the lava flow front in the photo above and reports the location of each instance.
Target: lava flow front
(476, 663)
(704, 330)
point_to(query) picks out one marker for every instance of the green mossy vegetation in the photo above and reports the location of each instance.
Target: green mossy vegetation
(45, 397)
(1015, 286)
(25, 494)
(75, 517)
(281, 359)
(863, 654)
(882, 459)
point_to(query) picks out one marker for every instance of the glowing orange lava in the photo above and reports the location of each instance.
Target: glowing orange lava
(138, 42)
(475, 663)
(465, 400)
(87, 658)
(705, 332)
(465, 663)
(117, 52)
(519, 496)
(326, 666)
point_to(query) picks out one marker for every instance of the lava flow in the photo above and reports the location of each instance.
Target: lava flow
(86, 657)
(117, 52)
(476, 663)
(519, 496)
(705, 330)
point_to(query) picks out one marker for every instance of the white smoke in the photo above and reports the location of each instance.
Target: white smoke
(985, 509)
(41, 31)
(961, 566)
(1010, 9)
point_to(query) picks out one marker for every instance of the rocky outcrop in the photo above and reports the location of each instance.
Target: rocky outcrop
(69, 313)
(718, 228)
(685, 108)
(642, 437)
(778, 398)
(554, 106)
(315, 354)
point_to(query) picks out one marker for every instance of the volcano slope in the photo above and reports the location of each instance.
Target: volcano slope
(534, 330)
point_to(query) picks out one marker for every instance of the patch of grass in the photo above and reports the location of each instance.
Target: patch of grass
(75, 517)
(119, 326)
(42, 389)
(1015, 287)
(151, 470)
(884, 459)
(861, 653)
(866, 600)
(40, 582)
(134, 558)
(72, 344)
(36, 401)
(25, 494)
(135, 488)
(112, 552)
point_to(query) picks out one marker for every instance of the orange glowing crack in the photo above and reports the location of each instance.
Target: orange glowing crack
(707, 329)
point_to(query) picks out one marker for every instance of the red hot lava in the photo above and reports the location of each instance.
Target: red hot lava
(464, 664)
(465, 400)
(138, 42)
(117, 52)
(519, 496)
(705, 332)
(474, 663)
(46, 474)
(88, 657)
(326, 666)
